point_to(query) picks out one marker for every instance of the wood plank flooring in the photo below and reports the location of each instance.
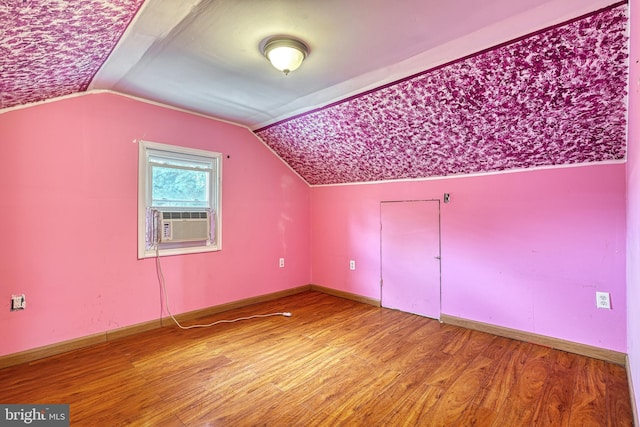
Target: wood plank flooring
(335, 362)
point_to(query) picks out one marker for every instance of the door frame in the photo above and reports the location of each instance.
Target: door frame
(439, 257)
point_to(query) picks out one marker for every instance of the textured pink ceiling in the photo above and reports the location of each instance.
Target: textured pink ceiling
(555, 97)
(50, 48)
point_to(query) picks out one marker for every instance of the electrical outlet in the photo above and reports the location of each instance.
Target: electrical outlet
(281, 262)
(603, 300)
(18, 302)
(352, 265)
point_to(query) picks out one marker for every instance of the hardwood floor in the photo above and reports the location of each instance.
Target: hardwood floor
(334, 362)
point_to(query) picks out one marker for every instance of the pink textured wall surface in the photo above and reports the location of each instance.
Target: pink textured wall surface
(55, 47)
(633, 203)
(553, 98)
(69, 223)
(524, 250)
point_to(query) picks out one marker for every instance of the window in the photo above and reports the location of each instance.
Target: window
(179, 200)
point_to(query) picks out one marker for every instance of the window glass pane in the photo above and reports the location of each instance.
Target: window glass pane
(179, 187)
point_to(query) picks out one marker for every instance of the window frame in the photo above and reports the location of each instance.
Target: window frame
(147, 149)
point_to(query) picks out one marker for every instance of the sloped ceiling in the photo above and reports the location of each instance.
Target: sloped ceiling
(553, 98)
(50, 48)
(350, 114)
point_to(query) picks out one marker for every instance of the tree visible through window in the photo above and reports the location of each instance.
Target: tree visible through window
(179, 186)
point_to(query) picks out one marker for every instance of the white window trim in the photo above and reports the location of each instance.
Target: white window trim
(216, 201)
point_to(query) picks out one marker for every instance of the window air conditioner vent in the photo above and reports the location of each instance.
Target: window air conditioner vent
(185, 226)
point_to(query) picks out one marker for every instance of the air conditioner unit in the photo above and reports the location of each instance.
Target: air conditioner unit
(184, 226)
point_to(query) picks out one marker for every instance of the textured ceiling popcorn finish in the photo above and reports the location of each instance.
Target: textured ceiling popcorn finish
(50, 48)
(554, 98)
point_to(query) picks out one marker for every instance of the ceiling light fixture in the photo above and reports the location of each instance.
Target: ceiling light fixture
(285, 54)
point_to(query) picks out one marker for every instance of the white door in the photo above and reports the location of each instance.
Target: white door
(410, 256)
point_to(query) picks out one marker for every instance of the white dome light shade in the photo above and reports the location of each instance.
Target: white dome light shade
(284, 54)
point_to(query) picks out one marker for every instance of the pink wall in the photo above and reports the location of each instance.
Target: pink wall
(633, 202)
(524, 250)
(69, 207)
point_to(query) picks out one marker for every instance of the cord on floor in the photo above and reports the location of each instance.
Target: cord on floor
(217, 322)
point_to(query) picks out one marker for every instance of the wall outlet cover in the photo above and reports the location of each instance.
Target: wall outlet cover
(18, 302)
(603, 300)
